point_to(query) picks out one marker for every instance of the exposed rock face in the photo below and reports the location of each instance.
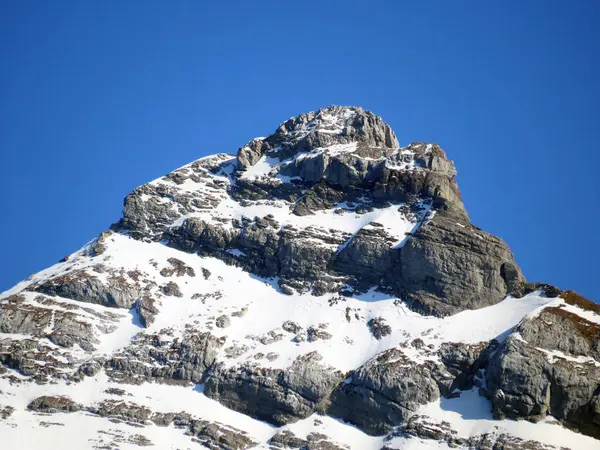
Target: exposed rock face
(150, 358)
(314, 276)
(378, 327)
(550, 366)
(314, 441)
(323, 128)
(62, 324)
(569, 333)
(54, 404)
(387, 390)
(448, 266)
(83, 287)
(422, 427)
(464, 362)
(147, 309)
(277, 396)
(207, 433)
(6, 411)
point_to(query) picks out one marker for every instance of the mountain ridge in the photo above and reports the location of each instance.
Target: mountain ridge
(320, 277)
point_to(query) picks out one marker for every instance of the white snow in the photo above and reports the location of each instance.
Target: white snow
(337, 149)
(76, 431)
(337, 430)
(230, 290)
(553, 355)
(470, 414)
(393, 221)
(588, 315)
(91, 391)
(128, 326)
(262, 168)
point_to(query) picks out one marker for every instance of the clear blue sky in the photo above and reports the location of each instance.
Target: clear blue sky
(97, 98)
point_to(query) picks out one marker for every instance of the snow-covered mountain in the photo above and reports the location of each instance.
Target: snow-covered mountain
(323, 289)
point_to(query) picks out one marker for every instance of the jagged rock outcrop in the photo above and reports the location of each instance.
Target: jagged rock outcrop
(151, 358)
(209, 434)
(385, 392)
(422, 427)
(447, 266)
(389, 388)
(549, 366)
(318, 129)
(51, 404)
(37, 318)
(314, 441)
(84, 287)
(277, 396)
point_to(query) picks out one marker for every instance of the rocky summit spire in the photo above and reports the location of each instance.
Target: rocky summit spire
(349, 147)
(320, 129)
(254, 300)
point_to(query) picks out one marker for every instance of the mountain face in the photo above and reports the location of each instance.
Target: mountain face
(323, 289)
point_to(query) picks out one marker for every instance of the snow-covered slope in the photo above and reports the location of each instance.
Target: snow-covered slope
(322, 290)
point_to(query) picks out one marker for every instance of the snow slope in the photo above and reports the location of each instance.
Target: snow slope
(229, 289)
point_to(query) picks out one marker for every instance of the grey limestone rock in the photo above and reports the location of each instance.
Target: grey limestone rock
(147, 308)
(386, 391)
(223, 321)
(322, 128)
(369, 254)
(153, 359)
(219, 436)
(249, 154)
(379, 328)
(6, 411)
(318, 197)
(83, 287)
(316, 333)
(465, 361)
(171, 289)
(569, 333)
(524, 382)
(88, 369)
(122, 410)
(177, 268)
(98, 247)
(285, 439)
(209, 434)
(291, 327)
(33, 358)
(447, 266)
(423, 427)
(62, 324)
(53, 404)
(274, 395)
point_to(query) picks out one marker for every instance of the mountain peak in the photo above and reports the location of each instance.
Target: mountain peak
(322, 273)
(328, 126)
(349, 148)
(340, 124)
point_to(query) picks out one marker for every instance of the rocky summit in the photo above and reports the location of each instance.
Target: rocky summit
(321, 289)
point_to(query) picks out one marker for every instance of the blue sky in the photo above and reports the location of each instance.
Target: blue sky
(97, 98)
